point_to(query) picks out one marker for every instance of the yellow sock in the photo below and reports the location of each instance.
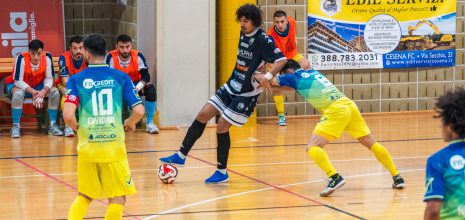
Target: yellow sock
(78, 209)
(320, 157)
(383, 156)
(114, 212)
(62, 102)
(279, 101)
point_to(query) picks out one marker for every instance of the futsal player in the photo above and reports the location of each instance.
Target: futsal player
(98, 92)
(236, 99)
(445, 170)
(339, 114)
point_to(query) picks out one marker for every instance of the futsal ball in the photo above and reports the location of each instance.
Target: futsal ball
(167, 173)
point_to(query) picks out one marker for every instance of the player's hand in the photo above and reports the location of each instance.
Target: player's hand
(264, 82)
(128, 126)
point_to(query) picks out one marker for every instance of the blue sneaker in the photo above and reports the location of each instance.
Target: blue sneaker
(217, 177)
(173, 160)
(282, 120)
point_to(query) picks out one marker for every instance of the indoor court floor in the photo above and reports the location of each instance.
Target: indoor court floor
(271, 176)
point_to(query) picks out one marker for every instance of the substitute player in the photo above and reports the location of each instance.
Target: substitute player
(284, 34)
(71, 62)
(339, 114)
(445, 170)
(98, 92)
(237, 98)
(133, 63)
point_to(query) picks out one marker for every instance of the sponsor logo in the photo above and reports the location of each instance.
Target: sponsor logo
(240, 62)
(72, 98)
(251, 41)
(101, 137)
(18, 39)
(244, 45)
(461, 210)
(242, 68)
(236, 85)
(245, 54)
(457, 162)
(331, 7)
(240, 106)
(305, 75)
(240, 75)
(90, 83)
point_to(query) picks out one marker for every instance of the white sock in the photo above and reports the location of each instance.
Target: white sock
(16, 124)
(182, 156)
(52, 122)
(223, 171)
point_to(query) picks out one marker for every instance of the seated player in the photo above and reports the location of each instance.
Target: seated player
(339, 114)
(32, 77)
(445, 170)
(284, 34)
(71, 62)
(133, 63)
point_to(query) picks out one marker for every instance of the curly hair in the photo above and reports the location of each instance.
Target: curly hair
(451, 110)
(250, 12)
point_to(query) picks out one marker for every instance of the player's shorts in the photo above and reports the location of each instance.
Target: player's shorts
(297, 57)
(112, 178)
(342, 115)
(235, 109)
(10, 86)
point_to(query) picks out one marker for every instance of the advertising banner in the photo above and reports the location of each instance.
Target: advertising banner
(23, 21)
(363, 34)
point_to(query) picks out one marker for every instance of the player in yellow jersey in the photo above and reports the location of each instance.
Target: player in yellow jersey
(99, 92)
(339, 114)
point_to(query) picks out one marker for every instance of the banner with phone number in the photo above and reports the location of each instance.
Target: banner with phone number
(364, 34)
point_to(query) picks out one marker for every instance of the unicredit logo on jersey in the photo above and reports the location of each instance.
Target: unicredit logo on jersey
(22, 27)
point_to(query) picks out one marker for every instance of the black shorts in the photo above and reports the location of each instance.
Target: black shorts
(234, 109)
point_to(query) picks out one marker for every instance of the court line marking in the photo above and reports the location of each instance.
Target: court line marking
(283, 189)
(74, 188)
(214, 148)
(264, 189)
(230, 165)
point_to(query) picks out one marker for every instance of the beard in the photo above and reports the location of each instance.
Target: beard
(125, 55)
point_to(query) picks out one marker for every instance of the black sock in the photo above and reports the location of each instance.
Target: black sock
(194, 132)
(222, 152)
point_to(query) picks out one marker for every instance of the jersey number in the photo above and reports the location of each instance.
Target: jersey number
(102, 103)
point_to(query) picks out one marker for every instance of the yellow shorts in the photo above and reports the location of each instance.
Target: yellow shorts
(297, 57)
(342, 115)
(113, 178)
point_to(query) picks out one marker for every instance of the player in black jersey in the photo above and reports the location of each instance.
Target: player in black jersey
(236, 99)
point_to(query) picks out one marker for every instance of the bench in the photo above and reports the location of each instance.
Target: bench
(6, 68)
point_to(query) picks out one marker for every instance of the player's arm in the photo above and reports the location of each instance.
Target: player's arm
(18, 76)
(64, 73)
(271, 54)
(432, 210)
(144, 72)
(69, 115)
(71, 103)
(434, 189)
(131, 98)
(138, 112)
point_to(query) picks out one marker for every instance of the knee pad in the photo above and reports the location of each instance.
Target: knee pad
(53, 99)
(17, 98)
(150, 93)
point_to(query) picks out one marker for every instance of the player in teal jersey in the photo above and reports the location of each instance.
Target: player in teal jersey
(99, 92)
(445, 170)
(339, 114)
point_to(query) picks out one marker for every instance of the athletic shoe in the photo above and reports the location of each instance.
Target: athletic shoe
(151, 128)
(69, 132)
(399, 182)
(335, 182)
(15, 131)
(282, 120)
(217, 177)
(173, 160)
(55, 130)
